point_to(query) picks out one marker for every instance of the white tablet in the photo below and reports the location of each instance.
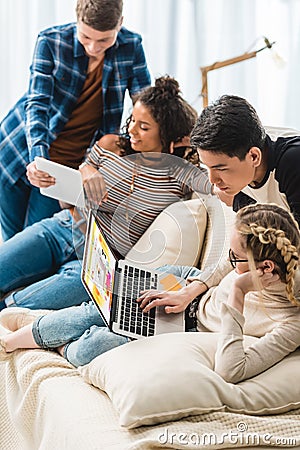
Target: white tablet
(68, 186)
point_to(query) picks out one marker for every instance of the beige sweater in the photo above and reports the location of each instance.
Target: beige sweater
(267, 315)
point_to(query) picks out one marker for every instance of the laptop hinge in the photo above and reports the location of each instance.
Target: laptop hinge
(114, 310)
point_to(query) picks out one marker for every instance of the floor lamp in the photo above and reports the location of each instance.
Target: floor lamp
(227, 62)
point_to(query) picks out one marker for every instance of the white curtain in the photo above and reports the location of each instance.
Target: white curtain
(20, 22)
(179, 37)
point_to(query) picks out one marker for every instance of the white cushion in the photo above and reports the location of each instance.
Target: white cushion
(175, 236)
(170, 376)
(220, 220)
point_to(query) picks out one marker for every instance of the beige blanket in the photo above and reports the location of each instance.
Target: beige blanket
(45, 405)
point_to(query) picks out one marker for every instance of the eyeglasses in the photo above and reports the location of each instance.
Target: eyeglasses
(233, 259)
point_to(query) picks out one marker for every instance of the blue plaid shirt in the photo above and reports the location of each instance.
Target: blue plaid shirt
(57, 76)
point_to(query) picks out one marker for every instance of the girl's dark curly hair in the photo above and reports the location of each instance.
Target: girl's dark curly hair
(174, 115)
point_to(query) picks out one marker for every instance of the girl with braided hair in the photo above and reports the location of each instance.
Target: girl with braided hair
(259, 298)
(262, 227)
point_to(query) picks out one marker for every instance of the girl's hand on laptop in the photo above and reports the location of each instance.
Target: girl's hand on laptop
(37, 177)
(94, 186)
(174, 301)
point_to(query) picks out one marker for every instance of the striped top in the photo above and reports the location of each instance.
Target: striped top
(139, 188)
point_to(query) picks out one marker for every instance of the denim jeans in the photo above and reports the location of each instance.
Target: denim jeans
(21, 205)
(180, 271)
(81, 328)
(44, 259)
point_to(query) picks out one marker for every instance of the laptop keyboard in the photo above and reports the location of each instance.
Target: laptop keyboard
(132, 317)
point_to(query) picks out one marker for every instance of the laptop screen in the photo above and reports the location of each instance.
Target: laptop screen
(98, 268)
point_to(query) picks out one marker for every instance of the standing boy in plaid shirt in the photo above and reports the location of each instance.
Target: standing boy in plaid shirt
(78, 78)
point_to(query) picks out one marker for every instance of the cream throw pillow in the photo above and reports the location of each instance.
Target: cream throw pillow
(170, 376)
(220, 221)
(175, 236)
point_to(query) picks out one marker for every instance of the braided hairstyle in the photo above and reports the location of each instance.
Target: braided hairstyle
(271, 233)
(174, 115)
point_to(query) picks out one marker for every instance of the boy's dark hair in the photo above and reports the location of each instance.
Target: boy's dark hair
(231, 126)
(101, 15)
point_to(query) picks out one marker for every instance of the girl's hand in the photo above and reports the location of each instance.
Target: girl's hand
(174, 301)
(94, 186)
(247, 282)
(37, 177)
(184, 142)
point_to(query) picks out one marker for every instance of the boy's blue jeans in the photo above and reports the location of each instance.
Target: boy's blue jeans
(45, 257)
(21, 205)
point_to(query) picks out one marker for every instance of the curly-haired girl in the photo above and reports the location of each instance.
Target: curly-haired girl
(46, 257)
(128, 192)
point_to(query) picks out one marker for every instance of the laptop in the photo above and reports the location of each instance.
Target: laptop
(68, 182)
(113, 284)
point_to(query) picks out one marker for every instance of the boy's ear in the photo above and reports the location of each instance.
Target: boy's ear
(268, 266)
(256, 156)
